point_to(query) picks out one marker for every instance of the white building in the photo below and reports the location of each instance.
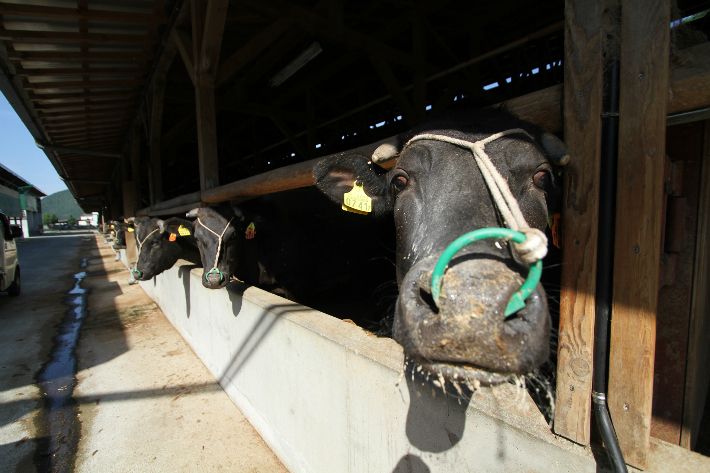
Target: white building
(91, 219)
(20, 201)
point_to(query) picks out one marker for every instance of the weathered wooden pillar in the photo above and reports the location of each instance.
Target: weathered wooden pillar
(155, 129)
(644, 77)
(583, 90)
(208, 18)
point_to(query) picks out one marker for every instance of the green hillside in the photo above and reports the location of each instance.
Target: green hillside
(61, 204)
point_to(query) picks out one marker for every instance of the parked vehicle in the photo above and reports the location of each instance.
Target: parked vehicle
(9, 263)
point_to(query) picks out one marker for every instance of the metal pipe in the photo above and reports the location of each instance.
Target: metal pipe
(182, 200)
(605, 265)
(62, 149)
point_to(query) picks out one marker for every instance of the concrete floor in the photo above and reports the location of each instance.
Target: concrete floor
(142, 400)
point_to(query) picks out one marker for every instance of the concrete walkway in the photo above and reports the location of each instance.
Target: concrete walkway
(142, 400)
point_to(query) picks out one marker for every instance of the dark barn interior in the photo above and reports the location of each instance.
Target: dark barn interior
(153, 107)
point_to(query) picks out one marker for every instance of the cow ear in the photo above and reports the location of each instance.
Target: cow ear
(179, 227)
(337, 175)
(554, 148)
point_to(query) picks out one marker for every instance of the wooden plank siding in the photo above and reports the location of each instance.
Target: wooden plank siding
(582, 125)
(697, 379)
(644, 77)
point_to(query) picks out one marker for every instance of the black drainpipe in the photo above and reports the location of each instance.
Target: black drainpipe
(605, 266)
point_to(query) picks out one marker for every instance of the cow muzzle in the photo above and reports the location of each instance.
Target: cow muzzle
(214, 279)
(468, 337)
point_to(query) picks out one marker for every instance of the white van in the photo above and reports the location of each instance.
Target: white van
(9, 264)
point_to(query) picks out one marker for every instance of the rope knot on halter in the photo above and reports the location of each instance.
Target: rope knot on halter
(219, 248)
(530, 243)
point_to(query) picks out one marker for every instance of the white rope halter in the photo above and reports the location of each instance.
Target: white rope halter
(219, 247)
(140, 248)
(534, 248)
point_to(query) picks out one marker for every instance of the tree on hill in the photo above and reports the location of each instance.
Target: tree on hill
(61, 204)
(49, 219)
(71, 221)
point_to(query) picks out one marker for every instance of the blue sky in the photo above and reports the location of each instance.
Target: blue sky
(19, 153)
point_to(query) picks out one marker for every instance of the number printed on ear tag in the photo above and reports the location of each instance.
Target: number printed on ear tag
(172, 237)
(183, 230)
(357, 201)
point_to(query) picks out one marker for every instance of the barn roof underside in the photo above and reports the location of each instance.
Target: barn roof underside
(80, 72)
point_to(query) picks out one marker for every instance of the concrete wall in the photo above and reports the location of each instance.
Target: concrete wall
(328, 397)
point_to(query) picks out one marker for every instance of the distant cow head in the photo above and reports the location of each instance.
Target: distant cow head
(218, 231)
(436, 193)
(157, 245)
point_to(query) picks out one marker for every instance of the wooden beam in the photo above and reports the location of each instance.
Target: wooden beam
(697, 375)
(63, 121)
(85, 105)
(354, 39)
(208, 18)
(645, 43)
(90, 112)
(79, 95)
(75, 56)
(390, 81)
(79, 71)
(297, 145)
(215, 19)
(156, 125)
(101, 124)
(86, 84)
(79, 13)
(183, 42)
(267, 111)
(247, 53)
(582, 111)
(57, 36)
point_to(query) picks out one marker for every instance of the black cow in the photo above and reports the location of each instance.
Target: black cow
(299, 246)
(436, 193)
(159, 244)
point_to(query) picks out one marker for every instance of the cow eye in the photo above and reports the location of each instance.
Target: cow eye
(400, 181)
(541, 179)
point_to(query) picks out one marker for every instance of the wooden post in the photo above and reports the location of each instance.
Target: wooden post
(208, 18)
(697, 375)
(582, 111)
(644, 78)
(156, 125)
(135, 155)
(130, 205)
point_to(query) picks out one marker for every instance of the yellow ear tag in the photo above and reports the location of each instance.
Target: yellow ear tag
(172, 237)
(251, 231)
(183, 230)
(357, 201)
(130, 230)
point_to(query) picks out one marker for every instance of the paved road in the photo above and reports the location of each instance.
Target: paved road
(140, 401)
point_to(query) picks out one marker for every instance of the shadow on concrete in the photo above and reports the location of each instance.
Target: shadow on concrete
(411, 464)
(435, 420)
(259, 331)
(184, 274)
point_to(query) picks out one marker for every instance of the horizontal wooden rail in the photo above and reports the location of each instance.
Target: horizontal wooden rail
(543, 108)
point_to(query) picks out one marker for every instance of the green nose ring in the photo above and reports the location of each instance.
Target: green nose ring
(215, 271)
(517, 300)
(135, 271)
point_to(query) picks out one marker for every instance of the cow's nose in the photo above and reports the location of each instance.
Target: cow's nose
(213, 280)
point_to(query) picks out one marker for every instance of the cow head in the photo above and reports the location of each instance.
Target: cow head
(436, 193)
(157, 246)
(219, 232)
